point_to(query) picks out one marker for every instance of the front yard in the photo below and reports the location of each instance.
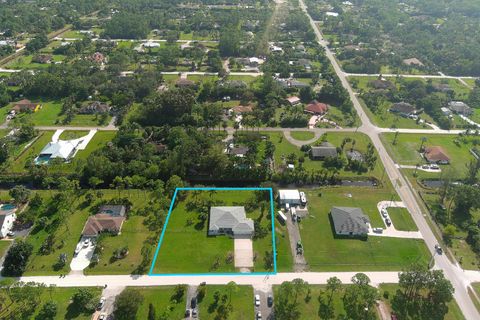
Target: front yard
(239, 297)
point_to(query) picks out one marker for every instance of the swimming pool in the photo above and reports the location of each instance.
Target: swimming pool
(7, 206)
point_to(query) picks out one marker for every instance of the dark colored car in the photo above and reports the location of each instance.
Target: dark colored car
(193, 302)
(270, 301)
(187, 313)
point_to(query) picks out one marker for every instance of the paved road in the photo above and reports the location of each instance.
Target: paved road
(403, 188)
(424, 76)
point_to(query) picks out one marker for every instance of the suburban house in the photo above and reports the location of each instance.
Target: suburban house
(460, 107)
(349, 221)
(109, 218)
(7, 218)
(381, 84)
(94, 107)
(184, 83)
(242, 109)
(291, 83)
(403, 108)
(56, 150)
(323, 151)
(293, 101)
(442, 87)
(316, 108)
(231, 221)
(42, 58)
(97, 57)
(240, 151)
(446, 111)
(26, 105)
(413, 62)
(436, 154)
(290, 196)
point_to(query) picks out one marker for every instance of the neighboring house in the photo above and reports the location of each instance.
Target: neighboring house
(151, 44)
(381, 84)
(293, 101)
(184, 83)
(403, 108)
(56, 150)
(446, 111)
(26, 105)
(109, 218)
(349, 221)
(436, 154)
(97, 57)
(460, 107)
(413, 62)
(442, 87)
(230, 221)
(238, 151)
(323, 151)
(316, 108)
(355, 155)
(95, 107)
(232, 84)
(42, 58)
(242, 109)
(7, 218)
(291, 83)
(292, 197)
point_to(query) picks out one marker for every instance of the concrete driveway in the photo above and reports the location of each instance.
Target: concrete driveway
(243, 253)
(82, 259)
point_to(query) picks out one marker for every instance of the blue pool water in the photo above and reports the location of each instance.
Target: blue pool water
(7, 207)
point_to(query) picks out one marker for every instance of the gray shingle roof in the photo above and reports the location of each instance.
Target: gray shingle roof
(325, 150)
(349, 220)
(230, 218)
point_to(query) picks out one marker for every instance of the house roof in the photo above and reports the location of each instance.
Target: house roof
(413, 61)
(102, 222)
(230, 218)
(348, 219)
(243, 109)
(184, 83)
(316, 107)
(381, 84)
(402, 107)
(287, 194)
(324, 150)
(24, 105)
(238, 151)
(293, 99)
(459, 107)
(435, 154)
(60, 149)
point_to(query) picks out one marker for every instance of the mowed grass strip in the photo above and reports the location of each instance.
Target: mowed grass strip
(240, 298)
(161, 299)
(402, 219)
(325, 252)
(302, 135)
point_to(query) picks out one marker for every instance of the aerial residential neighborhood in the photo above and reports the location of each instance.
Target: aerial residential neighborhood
(276, 159)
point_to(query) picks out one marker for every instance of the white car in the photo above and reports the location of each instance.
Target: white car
(103, 316)
(384, 213)
(259, 315)
(101, 303)
(257, 300)
(86, 243)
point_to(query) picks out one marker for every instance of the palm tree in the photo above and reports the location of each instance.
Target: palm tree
(423, 139)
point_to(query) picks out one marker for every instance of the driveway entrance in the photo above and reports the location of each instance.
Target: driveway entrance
(243, 253)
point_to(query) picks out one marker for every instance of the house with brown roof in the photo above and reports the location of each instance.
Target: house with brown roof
(26, 105)
(413, 62)
(436, 155)
(97, 57)
(316, 108)
(109, 218)
(242, 109)
(293, 101)
(42, 58)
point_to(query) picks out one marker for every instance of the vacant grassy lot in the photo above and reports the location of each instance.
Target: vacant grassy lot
(186, 234)
(402, 219)
(240, 297)
(161, 298)
(302, 135)
(406, 150)
(325, 252)
(61, 296)
(4, 245)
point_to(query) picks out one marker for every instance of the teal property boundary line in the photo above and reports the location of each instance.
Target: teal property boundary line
(151, 273)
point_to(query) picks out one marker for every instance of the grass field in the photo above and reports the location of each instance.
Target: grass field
(240, 297)
(25, 62)
(28, 154)
(61, 296)
(402, 219)
(324, 252)
(195, 252)
(302, 135)
(4, 245)
(160, 297)
(406, 150)
(72, 134)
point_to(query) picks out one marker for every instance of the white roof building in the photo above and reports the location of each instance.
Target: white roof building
(151, 44)
(290, 196)
(60, 149)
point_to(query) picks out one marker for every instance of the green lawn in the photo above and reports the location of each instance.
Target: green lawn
(160, 297)
(247, 79)
(200, 78)
(241, 301)
(72, 134)
(99, 140)
(454, 312)
(28, 154)
(61, 296)
(302, 135)
(324, 252)
(186, 235)
(4, 245)
(402, 219)
(406, 150)
(25, 62)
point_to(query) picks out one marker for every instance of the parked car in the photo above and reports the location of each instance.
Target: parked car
(101, 303)
(102, 316)
(194, 313)
(378, 230)
(384, 213)
(187, 313)
(86, 243)
(10, 233)
(193, 303)
(259, 315)
(257, 300)
(299, 248)
(434, 167)
(388, 222)
(270, 301)
(438, 249)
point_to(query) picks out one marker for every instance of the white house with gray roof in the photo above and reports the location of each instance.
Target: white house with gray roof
(349, 221)
(231, 221)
